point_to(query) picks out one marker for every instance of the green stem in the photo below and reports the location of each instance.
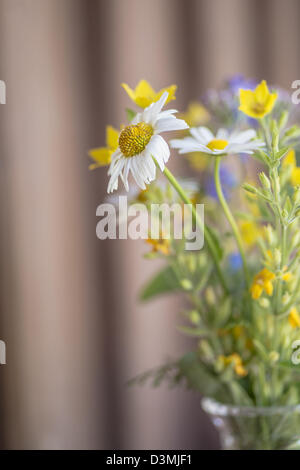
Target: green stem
(210, 244)
(230, 217)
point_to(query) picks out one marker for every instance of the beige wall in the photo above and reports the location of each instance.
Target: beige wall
(69, 315)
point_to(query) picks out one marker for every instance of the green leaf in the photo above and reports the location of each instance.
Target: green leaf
(198, 332)
(197, 375)
(281, 153)
(165, 281)
(130, 114)
(239, 395)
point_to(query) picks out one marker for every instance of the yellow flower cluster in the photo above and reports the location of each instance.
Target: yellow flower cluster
(290, 161)
(236, 360)
(263, 281)
(160, 245)
(143, 94)
(294, 318)
(102, 155)
(257, 103)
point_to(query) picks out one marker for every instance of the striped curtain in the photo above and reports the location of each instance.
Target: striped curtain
(74, 330)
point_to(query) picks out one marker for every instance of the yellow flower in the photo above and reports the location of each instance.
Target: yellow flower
(257, 103)
(294, 318)
(196, 115)
(287, 275)
(236, 360)
(143, 94)
(262, 281)
(102, 155)
(290, 161)
(161, 245)
(198, 160)
(250, 231)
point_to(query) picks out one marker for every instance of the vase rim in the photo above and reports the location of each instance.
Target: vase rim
(213, 407)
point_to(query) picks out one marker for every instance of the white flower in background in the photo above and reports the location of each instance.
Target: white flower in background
(190, 186)
(203, 140)
(139, 142)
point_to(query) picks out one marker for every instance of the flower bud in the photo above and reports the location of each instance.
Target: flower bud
(264, 302)
(286, 298)
(275, 136)
(293, 131)
(265, 181)
(194, 317)
(296, 195)
(270, 234)
(277, 257)
(276, 183)
(274, 356)
(249, 188)
(210, 296)
(283, 118)
(295, 239)
(206, 349)
(186, 284)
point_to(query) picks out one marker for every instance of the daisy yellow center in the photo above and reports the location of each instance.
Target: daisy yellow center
(134, 138)
(217, 144)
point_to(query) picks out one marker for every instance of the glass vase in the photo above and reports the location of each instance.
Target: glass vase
(255, 428)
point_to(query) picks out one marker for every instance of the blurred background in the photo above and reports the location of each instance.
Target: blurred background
(74, 330)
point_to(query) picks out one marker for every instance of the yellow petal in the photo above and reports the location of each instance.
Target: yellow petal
(268, 286)
(287, 276)
(171, 90)
(262, 92)
(112, 138)
(256, 291)
(101, 157)
(294, 318)
(144, 94)
(144, 88)
(247, 103)
(240, 370)
(295, 176)
(290, 159)
(196, 114)
(257, 103)
(129, 91)
(269, 105)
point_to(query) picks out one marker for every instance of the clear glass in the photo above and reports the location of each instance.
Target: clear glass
(254, 428)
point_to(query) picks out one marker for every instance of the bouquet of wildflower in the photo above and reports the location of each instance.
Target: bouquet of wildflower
(242, 288)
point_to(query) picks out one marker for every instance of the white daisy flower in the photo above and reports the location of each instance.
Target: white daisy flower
(139, 142)
(222, 143)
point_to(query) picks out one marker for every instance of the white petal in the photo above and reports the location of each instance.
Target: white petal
(137, 118)
(151, 113)
(125, 173)
(136, 173)
(170, 123)
(242, 137)
(115, 173)
(167, 112)
(159, 149)
(188, 145)
(222, 134)
(202, 134)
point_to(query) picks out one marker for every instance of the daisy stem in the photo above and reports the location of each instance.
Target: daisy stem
(208, 239)
(230, 217)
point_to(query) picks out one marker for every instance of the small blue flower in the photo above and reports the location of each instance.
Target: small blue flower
(235, 261)
(228, 181)
(239, 81)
